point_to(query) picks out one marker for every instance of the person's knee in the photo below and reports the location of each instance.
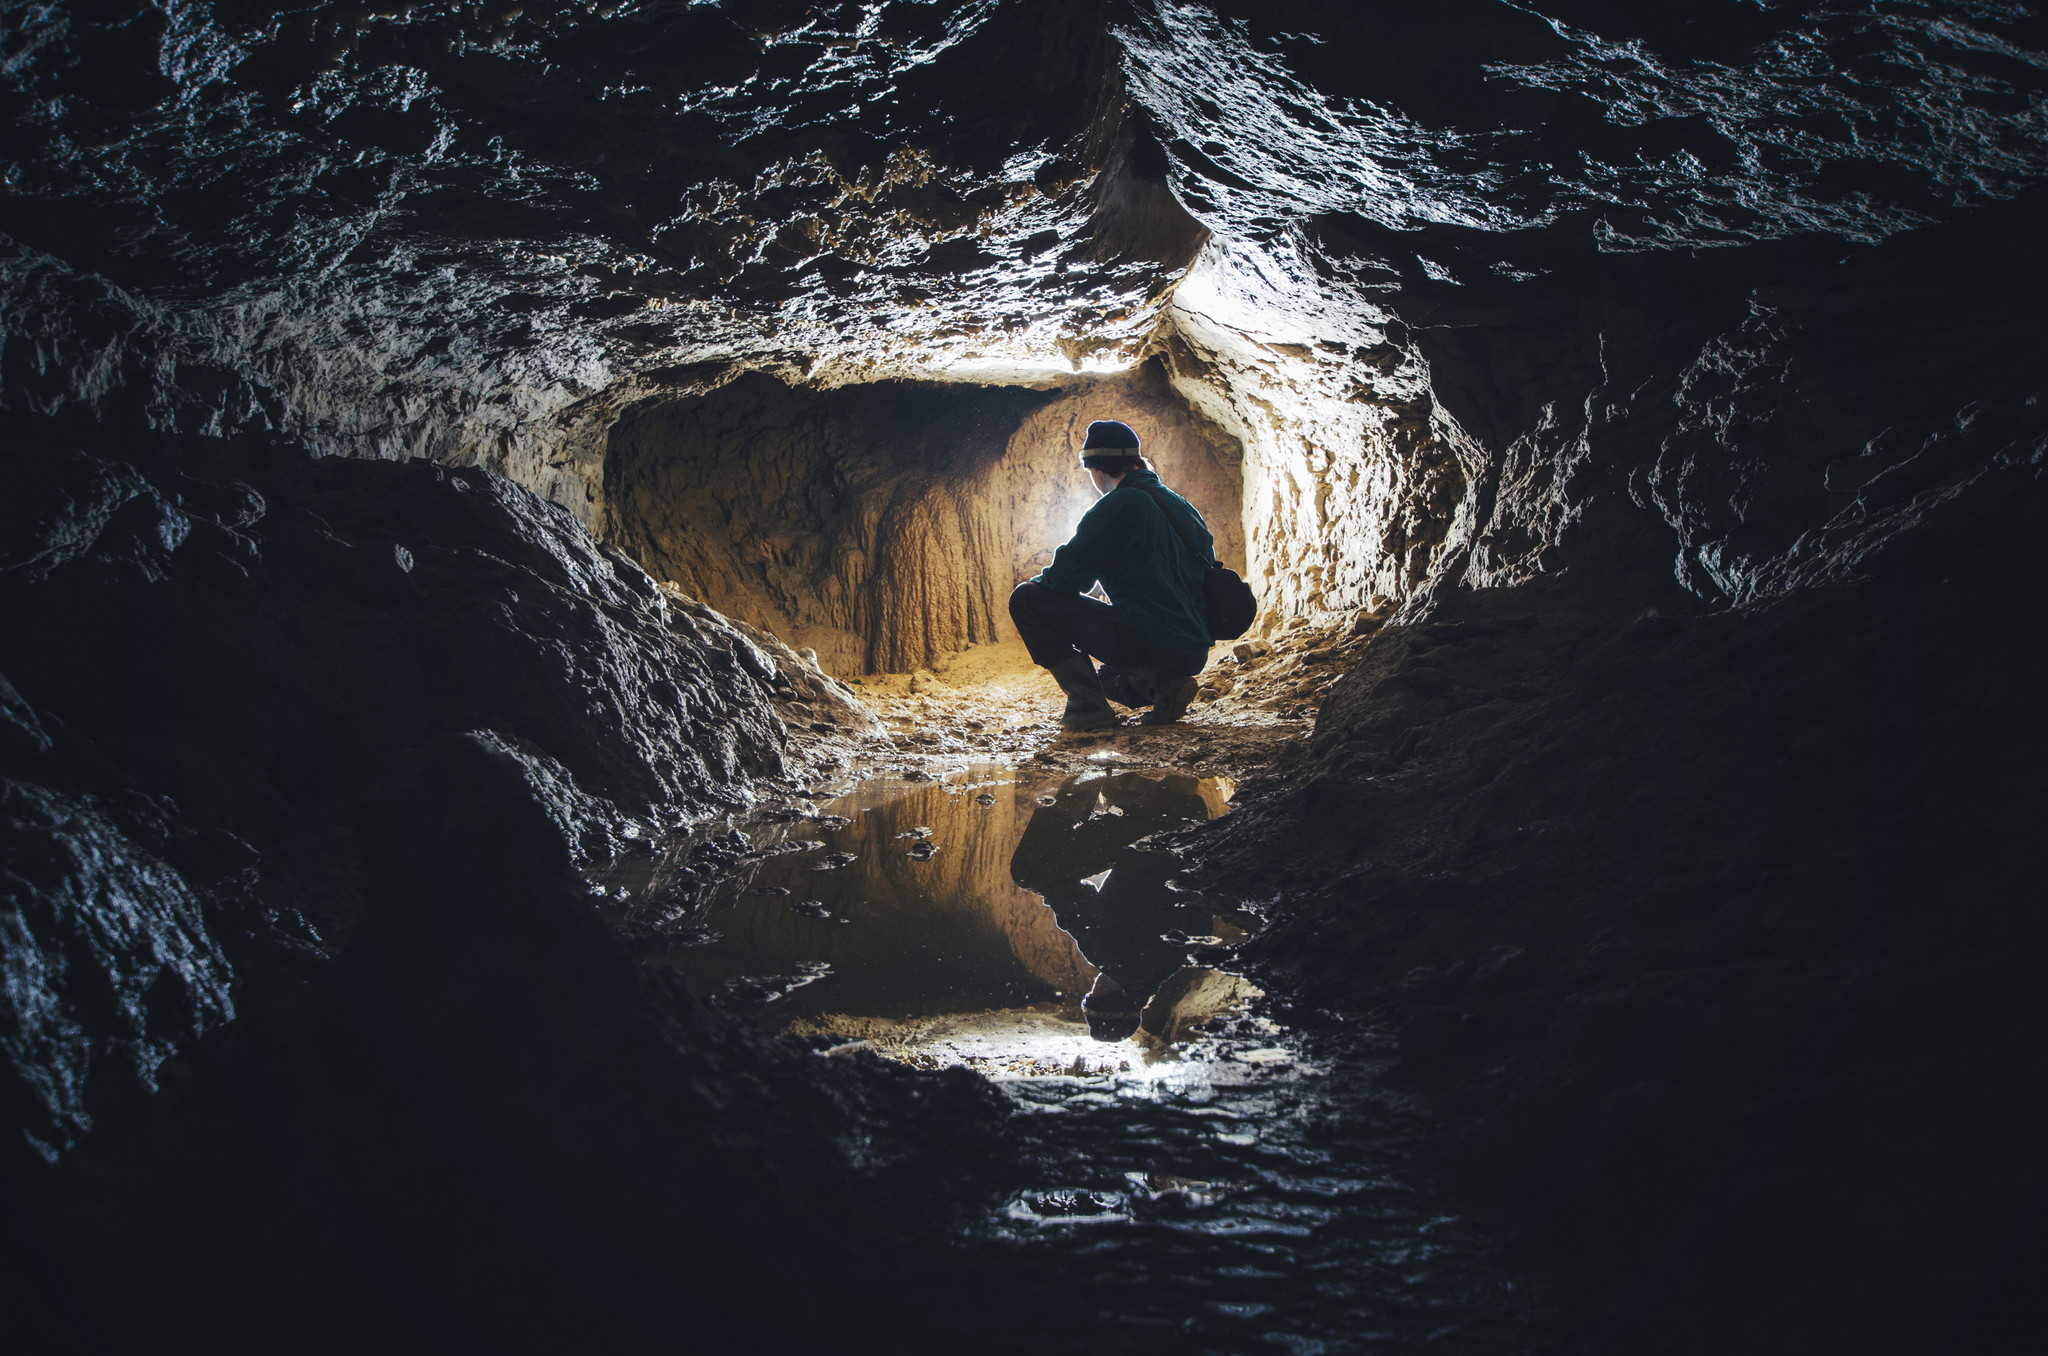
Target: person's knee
(1026, 601)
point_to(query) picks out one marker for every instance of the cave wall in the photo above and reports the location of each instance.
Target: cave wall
(478, 235)
(1446, 350)
(1675, 825)
(886, 523)
(482, 235)
(1352, 479)
(845, 523)
(213, 658)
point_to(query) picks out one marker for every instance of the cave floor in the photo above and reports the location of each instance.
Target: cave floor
(991, 704)
(1216, 1177)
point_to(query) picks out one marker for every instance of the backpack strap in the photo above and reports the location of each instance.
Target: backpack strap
(1180, 529)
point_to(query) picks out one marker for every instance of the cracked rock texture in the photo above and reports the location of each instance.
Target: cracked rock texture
(481, 234)
(301, 756)
(109, 964)
(1700, 898)
(213, 658)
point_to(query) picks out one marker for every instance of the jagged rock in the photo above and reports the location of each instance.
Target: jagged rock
(791, 845)
(110, 968)
(476, 913)
(256, 638)
(490, 249)
(1617, 854)
(1189, 998)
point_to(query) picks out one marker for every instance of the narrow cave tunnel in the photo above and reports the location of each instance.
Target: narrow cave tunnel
(526, 821)
(882, 525)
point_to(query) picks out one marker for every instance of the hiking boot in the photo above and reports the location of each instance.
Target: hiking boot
(1087, 707)
(1172, 703)
(1124, 687)
(1111, 1010)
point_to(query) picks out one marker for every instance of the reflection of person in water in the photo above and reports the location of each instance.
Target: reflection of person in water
(1110, 897)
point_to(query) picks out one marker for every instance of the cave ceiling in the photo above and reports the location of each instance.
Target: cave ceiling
(459, 230)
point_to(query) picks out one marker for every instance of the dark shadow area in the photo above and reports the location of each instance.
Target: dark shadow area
(1082, 852)
(293, 815)
(1709, 930)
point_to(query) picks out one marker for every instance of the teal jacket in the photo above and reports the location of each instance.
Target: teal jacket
(1146, 569)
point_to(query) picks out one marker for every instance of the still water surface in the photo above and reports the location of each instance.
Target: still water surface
(987, 902)
(1201, 1177)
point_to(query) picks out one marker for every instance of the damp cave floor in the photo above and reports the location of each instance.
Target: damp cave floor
(990, 704)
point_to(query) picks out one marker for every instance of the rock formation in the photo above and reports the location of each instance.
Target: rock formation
(447, 443)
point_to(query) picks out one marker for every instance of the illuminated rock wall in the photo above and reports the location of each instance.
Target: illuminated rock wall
(486, 235)
(884, 524)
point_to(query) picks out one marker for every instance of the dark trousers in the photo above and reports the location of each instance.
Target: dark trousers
(1056, 625)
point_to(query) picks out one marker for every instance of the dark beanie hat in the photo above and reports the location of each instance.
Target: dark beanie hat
(1107, 434)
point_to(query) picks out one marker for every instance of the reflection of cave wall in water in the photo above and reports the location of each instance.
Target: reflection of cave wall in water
(907, 936)
(885, 524)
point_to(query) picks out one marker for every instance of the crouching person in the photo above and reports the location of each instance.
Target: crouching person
(1152, 636)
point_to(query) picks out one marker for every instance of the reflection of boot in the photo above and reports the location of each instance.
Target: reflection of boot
(1174, 696)
(1087, 708)
(1111, 1010)
(1124, 687)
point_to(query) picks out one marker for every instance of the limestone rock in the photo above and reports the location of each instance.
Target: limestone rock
(898, 515)
(110, 967)
(289, 641)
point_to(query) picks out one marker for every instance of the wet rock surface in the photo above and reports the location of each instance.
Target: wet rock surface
(437, 230)
(1697, 926)
(1162, 1115)
(110, 967)
(261, 630)
(449, 232)
(300, 737)
(481, 1087)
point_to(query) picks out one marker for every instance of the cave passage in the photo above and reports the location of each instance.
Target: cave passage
(524, 819)
(884, 525)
